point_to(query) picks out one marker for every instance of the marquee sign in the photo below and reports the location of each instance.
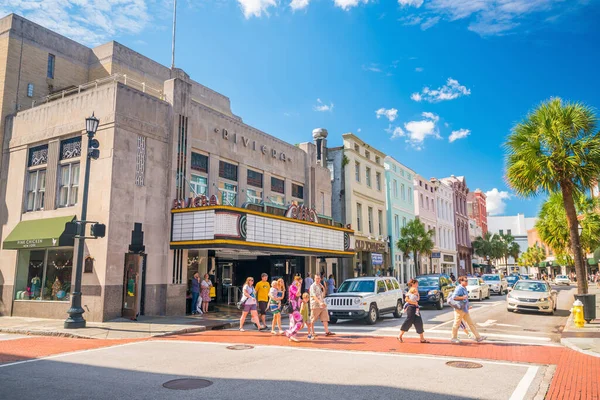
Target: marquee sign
(195, 202)
(302, 213)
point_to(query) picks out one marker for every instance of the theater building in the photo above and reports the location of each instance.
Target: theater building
(182, 184)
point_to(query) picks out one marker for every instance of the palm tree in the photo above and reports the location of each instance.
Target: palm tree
(514, 250)
(415, 239)
(556, 148)
(486, 246)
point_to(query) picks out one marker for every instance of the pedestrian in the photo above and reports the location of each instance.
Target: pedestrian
(461, 297)
(323, 282)
(304, 312)
(452, 277)
(294, 316)
(249, 304)
(281, 285)
(413, 313)
(262, 295)
(205, 286)
(331, 285)
(318, 307)
(275, 296)
(195, 293)
(307, 282)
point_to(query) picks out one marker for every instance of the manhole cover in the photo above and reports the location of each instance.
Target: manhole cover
(240, 347)
(463, 364)
(187, 384)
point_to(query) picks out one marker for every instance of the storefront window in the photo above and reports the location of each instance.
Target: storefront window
(44, 275)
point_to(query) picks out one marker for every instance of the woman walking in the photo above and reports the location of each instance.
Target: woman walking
(249, 304)
(413, 314)
(275, 297)
(330, 285)
(205, 286)
(296, 322)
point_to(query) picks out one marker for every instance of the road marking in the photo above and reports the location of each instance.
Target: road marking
(525, 383)
(513, 326)
(487, 323)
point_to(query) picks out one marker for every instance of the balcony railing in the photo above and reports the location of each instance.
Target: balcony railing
(72, 90)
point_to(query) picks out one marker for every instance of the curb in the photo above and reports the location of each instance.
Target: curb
(567, 342)
(183, 331)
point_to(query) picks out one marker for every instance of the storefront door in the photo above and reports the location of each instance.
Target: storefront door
(133, 283)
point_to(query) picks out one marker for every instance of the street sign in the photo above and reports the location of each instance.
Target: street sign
(377, 258)
(436, 255)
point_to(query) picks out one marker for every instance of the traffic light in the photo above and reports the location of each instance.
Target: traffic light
(70, 229)
(98, 230)
(93, 151)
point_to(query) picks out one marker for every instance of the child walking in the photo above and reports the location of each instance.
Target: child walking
(304, 313)
(275, 296)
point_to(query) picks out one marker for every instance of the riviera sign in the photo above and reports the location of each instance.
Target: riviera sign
(224, 133)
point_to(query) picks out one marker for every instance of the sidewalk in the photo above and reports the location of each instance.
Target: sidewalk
(587, 339)
(120, 328)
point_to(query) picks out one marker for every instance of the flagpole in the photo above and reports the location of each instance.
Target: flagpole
(174, 28)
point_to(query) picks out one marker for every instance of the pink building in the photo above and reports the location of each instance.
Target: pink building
(461, 223)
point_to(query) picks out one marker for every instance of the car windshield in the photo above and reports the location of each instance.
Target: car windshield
(491, 278)
(427, 280)
(512, 279)
(531, 286)
(473, 282)
(561, 277)
(357, 286)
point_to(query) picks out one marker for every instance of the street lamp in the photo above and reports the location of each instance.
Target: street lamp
(75, 319)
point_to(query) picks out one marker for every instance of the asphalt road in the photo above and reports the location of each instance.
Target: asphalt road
(139, 370)
(491, 317)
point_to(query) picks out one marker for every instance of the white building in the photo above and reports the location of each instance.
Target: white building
(446, 240)
(515, 225)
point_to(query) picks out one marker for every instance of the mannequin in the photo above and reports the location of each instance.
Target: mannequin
(35, 286)
(56, 287)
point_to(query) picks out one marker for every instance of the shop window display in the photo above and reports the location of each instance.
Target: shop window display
(44, 275)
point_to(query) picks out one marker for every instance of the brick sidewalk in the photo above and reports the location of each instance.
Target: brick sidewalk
(576, 377)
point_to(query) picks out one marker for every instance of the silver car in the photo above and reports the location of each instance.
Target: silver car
(532, 296)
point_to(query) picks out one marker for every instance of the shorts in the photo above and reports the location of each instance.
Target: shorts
(249, 307)
(262, 307)
(319, 313)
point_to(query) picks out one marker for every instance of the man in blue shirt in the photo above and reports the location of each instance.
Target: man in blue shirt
(461, 295)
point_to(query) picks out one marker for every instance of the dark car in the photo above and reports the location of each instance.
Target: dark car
(512, 279)
(434, 289)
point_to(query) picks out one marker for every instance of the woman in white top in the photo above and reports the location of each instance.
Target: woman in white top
(249, 302)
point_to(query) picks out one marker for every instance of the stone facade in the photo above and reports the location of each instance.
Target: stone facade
(400, 210)
(154, 122)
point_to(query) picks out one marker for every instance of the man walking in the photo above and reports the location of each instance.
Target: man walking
(308, 282)
(317, 305)
(461, 296)
(262, 295)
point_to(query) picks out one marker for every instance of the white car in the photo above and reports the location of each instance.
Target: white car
(562, 280)
(478, 289)
(532, 296)
(365, 298)
(498, 284)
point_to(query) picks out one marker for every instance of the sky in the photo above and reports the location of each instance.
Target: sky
(436, 84)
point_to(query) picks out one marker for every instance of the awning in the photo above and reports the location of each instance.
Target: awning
(592, 261)
(543, 264)
(39, 233)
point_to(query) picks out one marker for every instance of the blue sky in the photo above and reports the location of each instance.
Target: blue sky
(407, 76)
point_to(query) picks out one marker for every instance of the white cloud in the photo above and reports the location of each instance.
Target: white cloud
(419, 69)
(390, 114)
(413, 3)
(348, 4)
(492, 17)
(256, 8)
(459, 134)
(372, 67)
(322, 107)
(87, 21)
(358, 130)
(450, 91)
(430, 22)
(496, 201)
(299, 4)
(416, 132)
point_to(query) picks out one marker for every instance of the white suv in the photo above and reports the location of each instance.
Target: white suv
(366, 298)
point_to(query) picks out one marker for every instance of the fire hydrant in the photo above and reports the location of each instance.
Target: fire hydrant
(578, 314)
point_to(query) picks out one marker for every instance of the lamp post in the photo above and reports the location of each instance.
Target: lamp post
(75, 319)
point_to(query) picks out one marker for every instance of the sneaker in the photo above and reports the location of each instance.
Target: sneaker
(309, 337)
(293, 339)
(455, 341)
(481, 339)
(471, 336)
(312, 337)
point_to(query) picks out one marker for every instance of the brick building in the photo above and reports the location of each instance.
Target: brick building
(477, 208)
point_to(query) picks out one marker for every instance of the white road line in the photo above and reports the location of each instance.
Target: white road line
(523, 386)
(474, 310)
(65, 354)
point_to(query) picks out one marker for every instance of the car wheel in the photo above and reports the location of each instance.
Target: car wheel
(332, 320)
(440, 303)
(372, 316)
(398, 310)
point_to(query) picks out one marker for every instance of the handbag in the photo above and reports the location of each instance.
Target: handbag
(287, 308)
(241, 304)
(453, 303)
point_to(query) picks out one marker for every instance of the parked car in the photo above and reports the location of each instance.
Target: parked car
(366, 298)
(512, 279)
(478, 289)
(562, 280)
(497, 282)
(532, 296)
(434, 289)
